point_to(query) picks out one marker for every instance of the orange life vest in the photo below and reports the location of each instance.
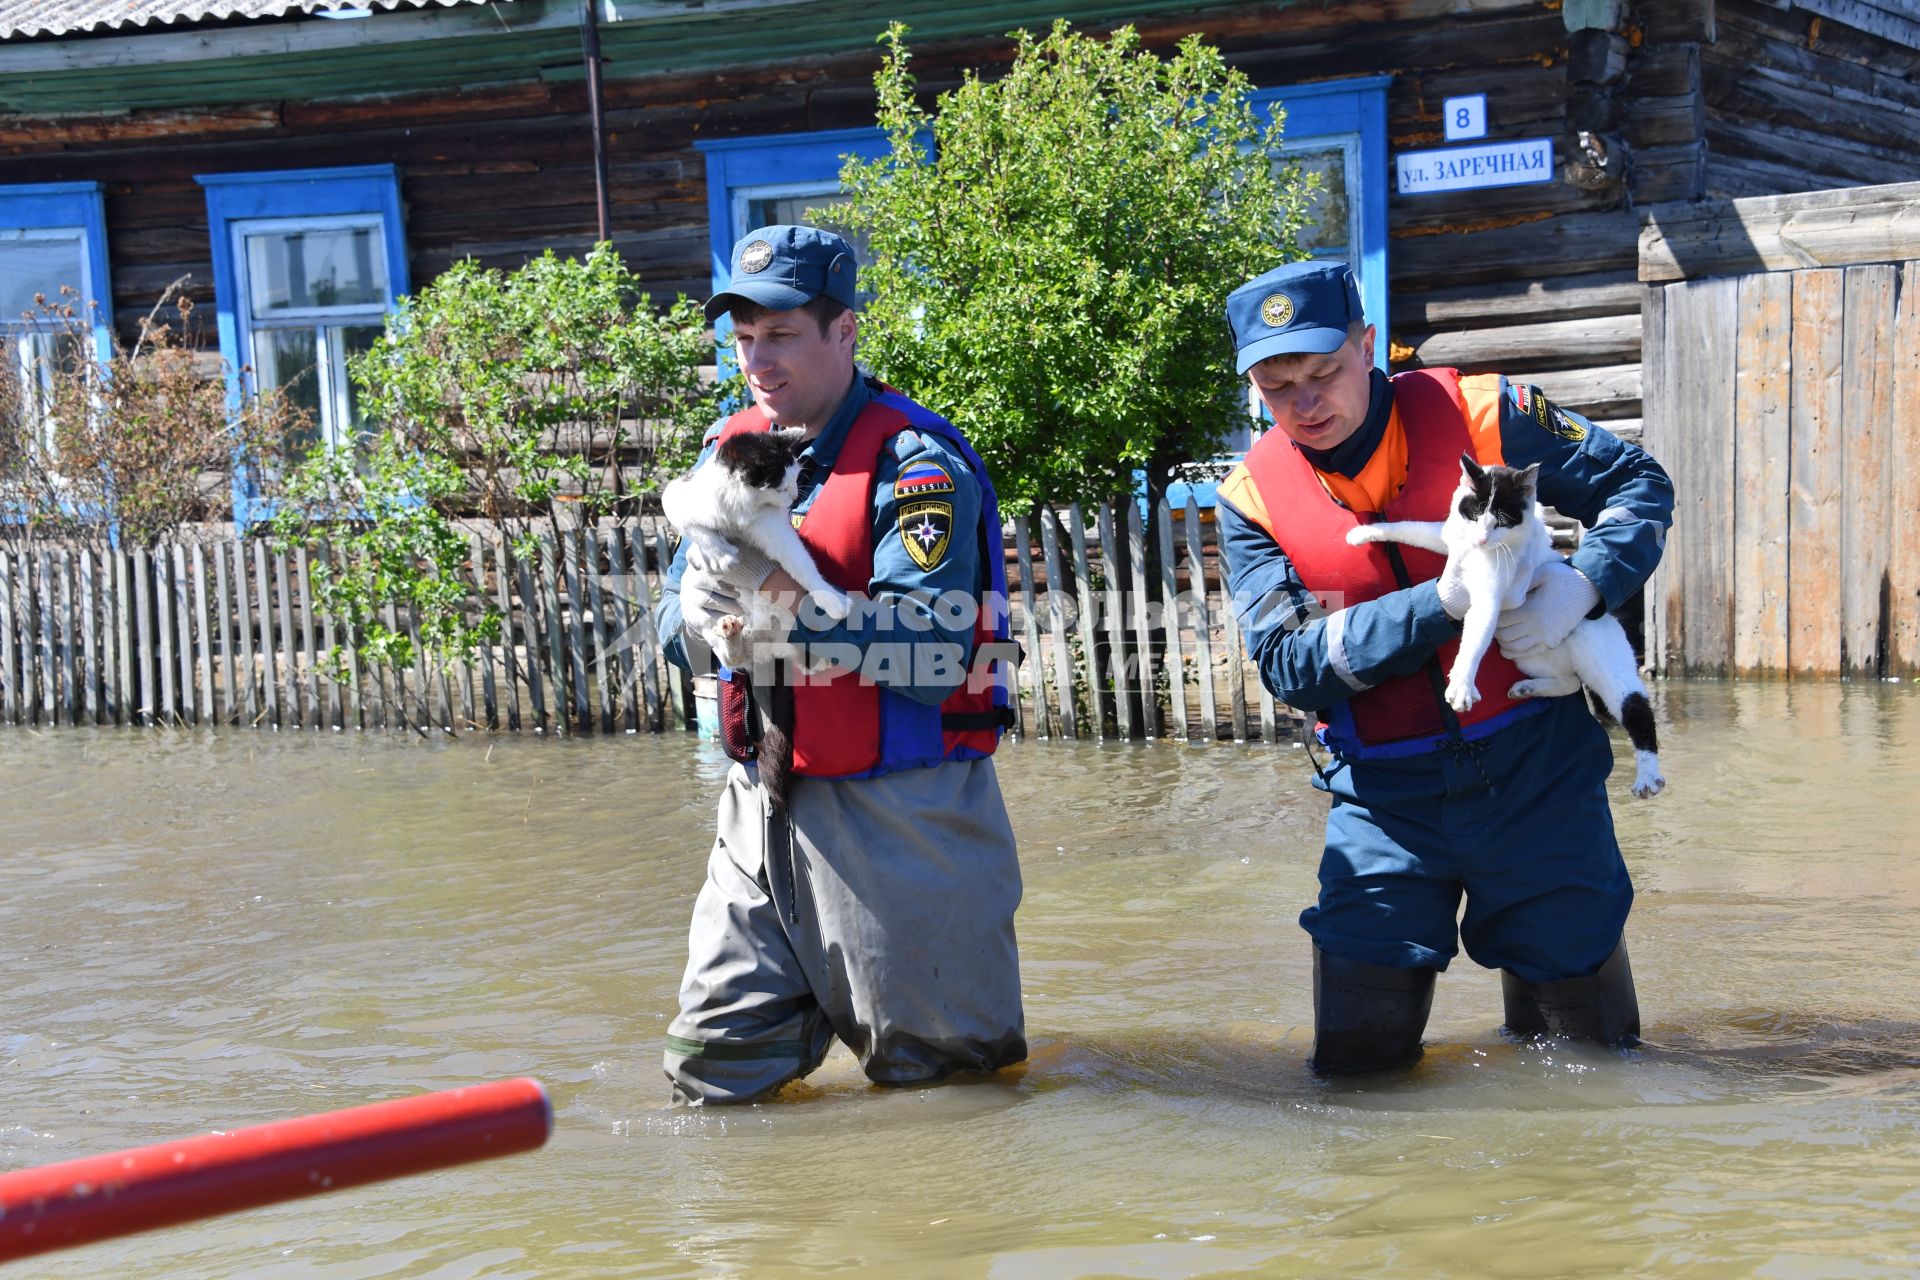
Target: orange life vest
(846, 726)
(1437, 416)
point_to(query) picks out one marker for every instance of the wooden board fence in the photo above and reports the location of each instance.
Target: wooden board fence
(1126, 628)
(1782, 393)
(1784, 406)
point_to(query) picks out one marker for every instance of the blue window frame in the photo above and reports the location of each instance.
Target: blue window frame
(307, 265)
(1338, 129)
(752, 182)
(53, 235)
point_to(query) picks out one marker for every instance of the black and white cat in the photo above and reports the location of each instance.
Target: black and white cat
(744, 496)
(1495, 541)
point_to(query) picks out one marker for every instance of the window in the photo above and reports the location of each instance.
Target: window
(307, 265)
(52, 237)
(756, 182)
(1339, 131)
(316, 294)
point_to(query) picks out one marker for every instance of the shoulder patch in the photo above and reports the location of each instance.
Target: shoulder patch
(920, 479)
(926, 530)
(1534, 403)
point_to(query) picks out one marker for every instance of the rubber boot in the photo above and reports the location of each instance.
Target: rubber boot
(1601, 1008)
(1367, 1017)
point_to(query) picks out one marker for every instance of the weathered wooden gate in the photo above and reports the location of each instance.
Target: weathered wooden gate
(1783, 395)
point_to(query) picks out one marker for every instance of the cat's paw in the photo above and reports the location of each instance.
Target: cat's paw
(1461, 695)
(835, 604)
(734, 651)
(1544, 687)
(731, 627)
(1647, 782)
(1360, 534)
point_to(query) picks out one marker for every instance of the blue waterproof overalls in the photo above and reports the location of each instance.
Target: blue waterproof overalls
(1517, 818)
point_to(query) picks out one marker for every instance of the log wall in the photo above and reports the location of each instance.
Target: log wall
(1798, 100)
(1690, 97)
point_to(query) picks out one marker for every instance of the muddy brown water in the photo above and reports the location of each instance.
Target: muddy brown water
(212, 930)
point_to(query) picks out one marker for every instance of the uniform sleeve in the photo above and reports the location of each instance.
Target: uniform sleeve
(1311, 657)
(668, 623)
(1615, 489)
(901, 637)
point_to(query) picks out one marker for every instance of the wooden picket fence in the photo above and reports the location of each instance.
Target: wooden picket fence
(1121, 638)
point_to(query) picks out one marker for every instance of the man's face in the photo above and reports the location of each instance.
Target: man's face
(1318, 400)
(798, 374)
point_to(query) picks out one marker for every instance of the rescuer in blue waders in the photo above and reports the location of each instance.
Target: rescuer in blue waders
(1504, 804)
(879, 906)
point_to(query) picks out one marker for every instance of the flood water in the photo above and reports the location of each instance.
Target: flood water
(208, 931)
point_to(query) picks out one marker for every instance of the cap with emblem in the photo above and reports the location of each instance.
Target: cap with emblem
(1301, 308)
(783, 267)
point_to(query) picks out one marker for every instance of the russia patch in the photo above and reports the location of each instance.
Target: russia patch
(918, 479)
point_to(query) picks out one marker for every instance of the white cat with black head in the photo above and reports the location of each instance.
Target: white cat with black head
(744, 496)
(1495, 542)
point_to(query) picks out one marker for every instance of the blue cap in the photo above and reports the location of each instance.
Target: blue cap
(1303, 307)
(783, 267)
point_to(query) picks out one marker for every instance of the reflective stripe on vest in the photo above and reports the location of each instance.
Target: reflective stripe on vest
(1439, 415)
(847, 727)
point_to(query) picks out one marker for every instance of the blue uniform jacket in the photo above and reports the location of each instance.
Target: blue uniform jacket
(1615, 489)
(901, 590)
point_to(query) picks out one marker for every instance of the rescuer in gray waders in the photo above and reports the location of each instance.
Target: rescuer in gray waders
(879, 906)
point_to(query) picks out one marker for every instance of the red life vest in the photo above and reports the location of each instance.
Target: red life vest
(1439, 415)
(844, 726)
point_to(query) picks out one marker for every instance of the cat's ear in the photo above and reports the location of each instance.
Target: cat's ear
(1472, 468)
(1529, 477)
(792, 437)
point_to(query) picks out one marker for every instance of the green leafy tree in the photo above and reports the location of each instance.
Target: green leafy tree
(1051, 274)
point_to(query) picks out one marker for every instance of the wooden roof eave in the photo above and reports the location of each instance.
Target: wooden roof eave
(390, 55)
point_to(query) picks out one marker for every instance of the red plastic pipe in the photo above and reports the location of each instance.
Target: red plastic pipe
(96, 1198)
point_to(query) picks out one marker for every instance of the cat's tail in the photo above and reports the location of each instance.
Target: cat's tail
(1636, 717)
(775, 754)
(1629, 706)
(1604, 662)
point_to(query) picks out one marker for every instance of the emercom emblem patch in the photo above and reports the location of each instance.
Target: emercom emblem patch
(926, 527)
(1549, 415)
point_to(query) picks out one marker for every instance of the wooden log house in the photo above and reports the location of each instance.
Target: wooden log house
(142, 142)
